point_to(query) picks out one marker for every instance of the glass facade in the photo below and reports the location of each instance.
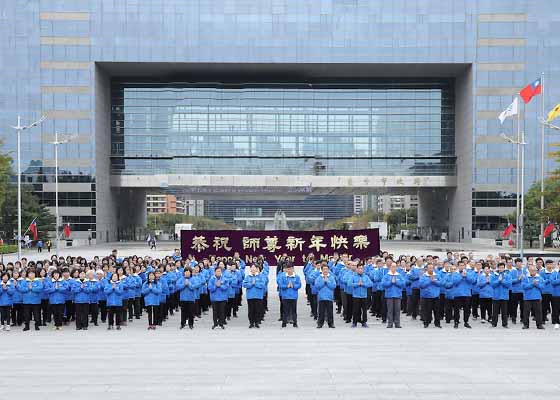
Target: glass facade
(376, 129)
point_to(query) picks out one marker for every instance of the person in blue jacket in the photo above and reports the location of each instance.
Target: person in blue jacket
(359, 282)
(533, 286)
(430, 288)
(32, 289)
(17, 299)
(325, 285)
(290, 283)
(187, 285)
(114, 291)
(501, 283)
(6, 292)
(162, 313)
(218, 288)
(93, 291)
(393, 284)
(463, 281)
(413, 277)
(547, 273)
(101, 296)
(486, 292)
(311, 276)
(81, 290)
(516, 295)
(57, 287)
(254, 292)
(151, 290)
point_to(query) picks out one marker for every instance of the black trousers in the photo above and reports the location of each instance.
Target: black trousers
(114, 314)
(359, 310)
(443, 304)
(349, 305)
(555, 310)
(313, 303)
(45, 312)
(429, 307)
(187, 312)
(404, 299)
(475, 303)
(152, 315)
(463, 302)
(383, 306)
(82, 312)
(290, 310)
(5, 315)
(282, 306)
(137, 306)
(103, 310)
(414, 302)
(130, 308)
(338, 298)
(485, 308)
(500, 307)
(58, 313)
(515, 303)
(17, 314)
(219, 312)
(253, 310)
(534, 306)
(325, 309)
(546, 305)
(160, 313)
(70, 311)
(94, 312)
(32, 310)
(448, 307)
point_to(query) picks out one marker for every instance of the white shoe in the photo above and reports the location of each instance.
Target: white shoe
(8, 328)
(557, 326)
(3, 327)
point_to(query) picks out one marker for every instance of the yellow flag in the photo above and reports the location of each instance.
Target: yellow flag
(554, 113)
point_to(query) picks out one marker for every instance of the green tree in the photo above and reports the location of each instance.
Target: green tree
(166, 222)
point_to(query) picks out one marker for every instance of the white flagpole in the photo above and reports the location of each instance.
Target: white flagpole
(517, 196)
(541, 238)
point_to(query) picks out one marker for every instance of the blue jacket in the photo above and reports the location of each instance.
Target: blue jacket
(486, 291)
(17, 297)
(188, 288)
(325, 287)
(556, 284)
(6, 294)
(359, 291)
(532, 291)
(501, 288)
(231, 277)
(377, 282)
(447, 283)
(164, 289)
(114, 295)
(33, 295)
(93, 289)
(136, 285)
(254, 286)
(151, 294)
(393, 290)
(312, 276)
(547, 281)
(516, 284)
(101, 295)
(290, 293)
(430, 289)
(56, 290)
(462, 285)
(414, 277)
(81, 294)
(218, 293)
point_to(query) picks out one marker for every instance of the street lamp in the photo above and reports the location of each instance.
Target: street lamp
(19, 128)
(56, 143)
(520, 173)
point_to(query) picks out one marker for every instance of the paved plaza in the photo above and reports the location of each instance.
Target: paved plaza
(274, 363)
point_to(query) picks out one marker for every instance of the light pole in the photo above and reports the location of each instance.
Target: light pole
(520, 173)
(56, 143)
(19, 128)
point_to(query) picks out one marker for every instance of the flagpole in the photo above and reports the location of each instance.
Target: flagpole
(541, 238)
(522, 203)
(517, 195)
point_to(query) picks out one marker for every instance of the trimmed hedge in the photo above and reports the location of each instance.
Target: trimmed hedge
(8, 248)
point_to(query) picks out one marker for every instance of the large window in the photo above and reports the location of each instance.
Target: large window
(397, 128)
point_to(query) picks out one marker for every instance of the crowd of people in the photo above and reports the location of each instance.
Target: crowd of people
(116, 290)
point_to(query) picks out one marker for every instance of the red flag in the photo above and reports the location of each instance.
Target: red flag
(508, 230)
(33, 229)
(531, 90)
(67, 231)
(549, 229)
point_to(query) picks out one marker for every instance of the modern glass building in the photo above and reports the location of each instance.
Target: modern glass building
(276, 100)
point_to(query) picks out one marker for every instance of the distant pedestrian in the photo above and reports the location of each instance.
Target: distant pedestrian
(39, 246)
(49, 245)
(153, 243)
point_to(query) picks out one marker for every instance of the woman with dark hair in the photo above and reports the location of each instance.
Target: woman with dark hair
(45, 308)
(56, 287)
(151, 290)
(188, 285)
(121, 274)
(17, 298)
(31, 288)
(6, 292)
(114, 291)
(218, 288)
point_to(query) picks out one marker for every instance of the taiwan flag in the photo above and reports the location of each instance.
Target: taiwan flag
(531, 90)
(33, 229)
(549, 229)
(510, 228)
